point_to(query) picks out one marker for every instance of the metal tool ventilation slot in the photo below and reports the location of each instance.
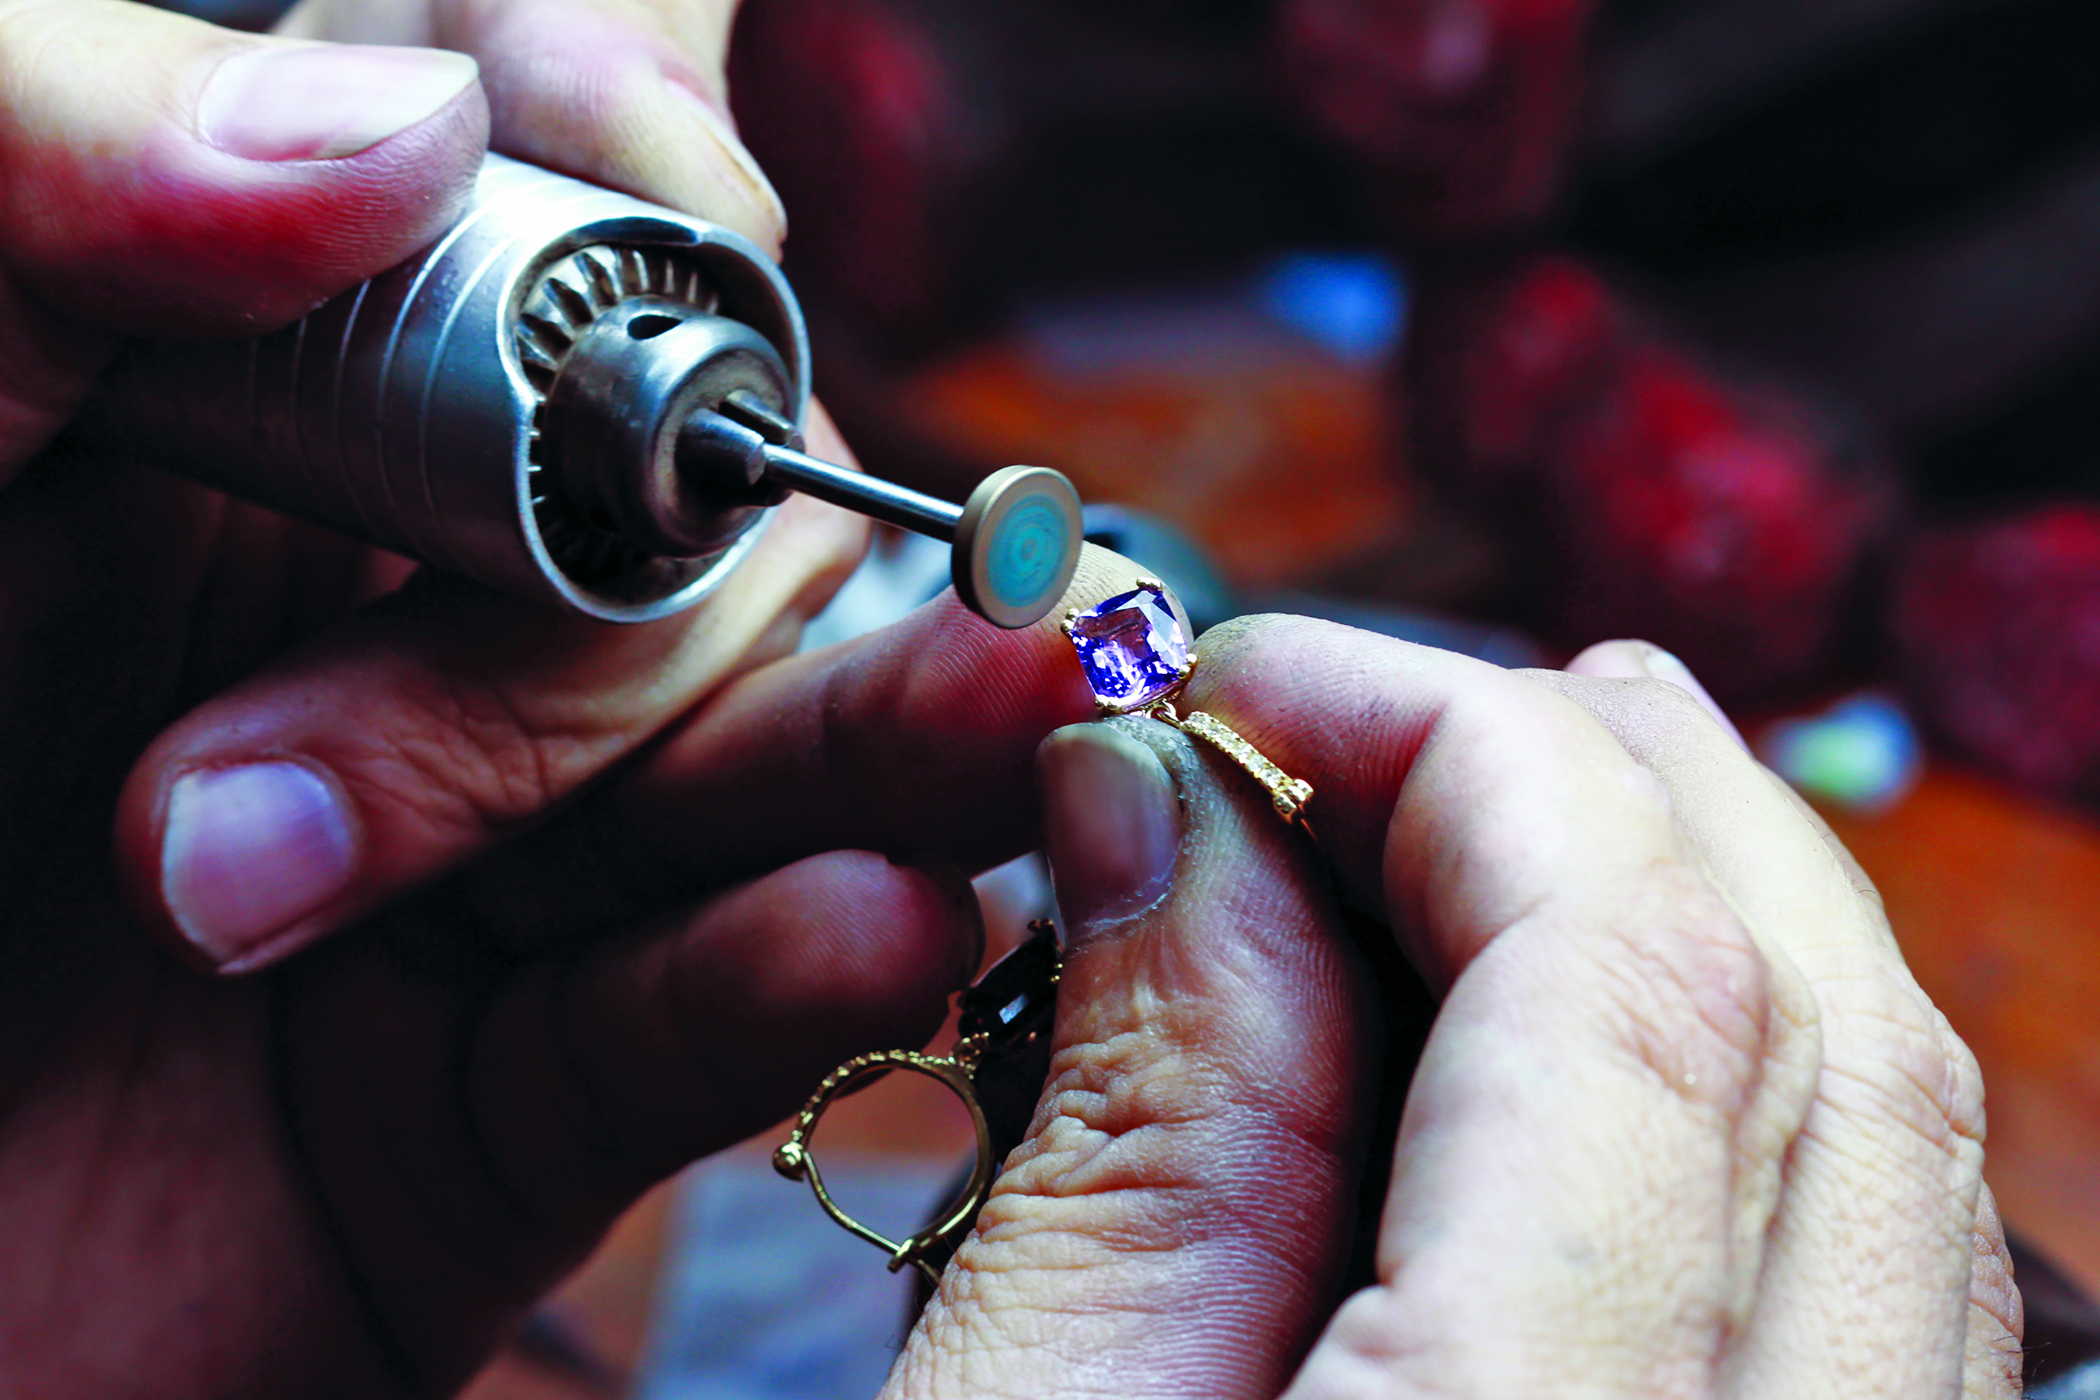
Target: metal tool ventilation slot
(571, 294)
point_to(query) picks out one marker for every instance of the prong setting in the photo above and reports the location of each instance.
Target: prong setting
(1138, 660)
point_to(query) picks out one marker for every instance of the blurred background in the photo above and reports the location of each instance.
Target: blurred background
(1767, 330)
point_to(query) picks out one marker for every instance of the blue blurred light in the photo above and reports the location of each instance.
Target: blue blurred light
(1354, 304)
(1862, 754)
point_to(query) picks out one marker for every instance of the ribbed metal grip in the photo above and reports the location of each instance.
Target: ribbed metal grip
(406, 411)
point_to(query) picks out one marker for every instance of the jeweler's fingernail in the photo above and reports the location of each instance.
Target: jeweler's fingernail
(325, 101)
(1113, 824)
(732, 190)
(1664, 666)
(249, 852)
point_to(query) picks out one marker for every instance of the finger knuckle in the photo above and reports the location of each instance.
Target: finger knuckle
(1996, 1322)
(1142, 1146)
(1107, 1127)
(1654, 715)
(470, 757)
(1964, 1079)
(1665, 701)
(1894, 1063)
(1685, 992)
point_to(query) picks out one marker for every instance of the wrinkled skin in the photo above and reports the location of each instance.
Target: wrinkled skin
(619, 896)
(1684, 1125)
(301, 1183)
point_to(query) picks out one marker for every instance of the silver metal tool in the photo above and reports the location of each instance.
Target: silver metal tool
(573, 396)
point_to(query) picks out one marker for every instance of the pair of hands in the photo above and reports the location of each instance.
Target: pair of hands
(1684, 1125)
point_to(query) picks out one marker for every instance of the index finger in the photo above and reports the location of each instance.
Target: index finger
(915, 740)
(920, 739)
(629, 94)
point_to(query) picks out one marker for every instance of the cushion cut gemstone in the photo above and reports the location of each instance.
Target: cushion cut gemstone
(1132, 648)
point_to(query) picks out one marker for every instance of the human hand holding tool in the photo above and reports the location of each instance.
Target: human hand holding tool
(578, 397)
(194, 1207)
(241, 181)
(635, 854)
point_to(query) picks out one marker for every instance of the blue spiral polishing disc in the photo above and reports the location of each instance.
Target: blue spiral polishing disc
(1017, 545)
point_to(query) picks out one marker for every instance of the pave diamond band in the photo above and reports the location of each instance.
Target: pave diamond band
(1289, 794)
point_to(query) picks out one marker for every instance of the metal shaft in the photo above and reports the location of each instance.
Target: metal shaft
(885, 501)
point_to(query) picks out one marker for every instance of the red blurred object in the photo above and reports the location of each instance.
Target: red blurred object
(1732, 525)
(1500, 364)
(1459, 109)
(851, 109)
(1998, 628)
(1727, 525)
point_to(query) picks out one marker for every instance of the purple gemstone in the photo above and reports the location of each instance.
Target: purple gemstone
(1132, 648)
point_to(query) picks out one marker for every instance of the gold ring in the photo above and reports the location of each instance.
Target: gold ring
(1137, 658)
(795, 1160)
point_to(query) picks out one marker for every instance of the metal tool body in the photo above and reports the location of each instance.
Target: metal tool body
(572, 396)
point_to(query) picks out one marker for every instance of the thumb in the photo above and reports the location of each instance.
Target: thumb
(1176, 1222)
(162, 176)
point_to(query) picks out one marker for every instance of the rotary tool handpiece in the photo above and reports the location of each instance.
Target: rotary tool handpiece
(572, 396)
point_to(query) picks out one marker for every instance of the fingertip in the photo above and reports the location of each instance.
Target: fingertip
(229, 242)
(952, 884)
(1638, 660)
(859, 949)
(1334, 706)
(1170, 864)
(891, 936)
(731, 181)
(238, 866)
(308, 102)
(623, 101)
(1113, 823)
